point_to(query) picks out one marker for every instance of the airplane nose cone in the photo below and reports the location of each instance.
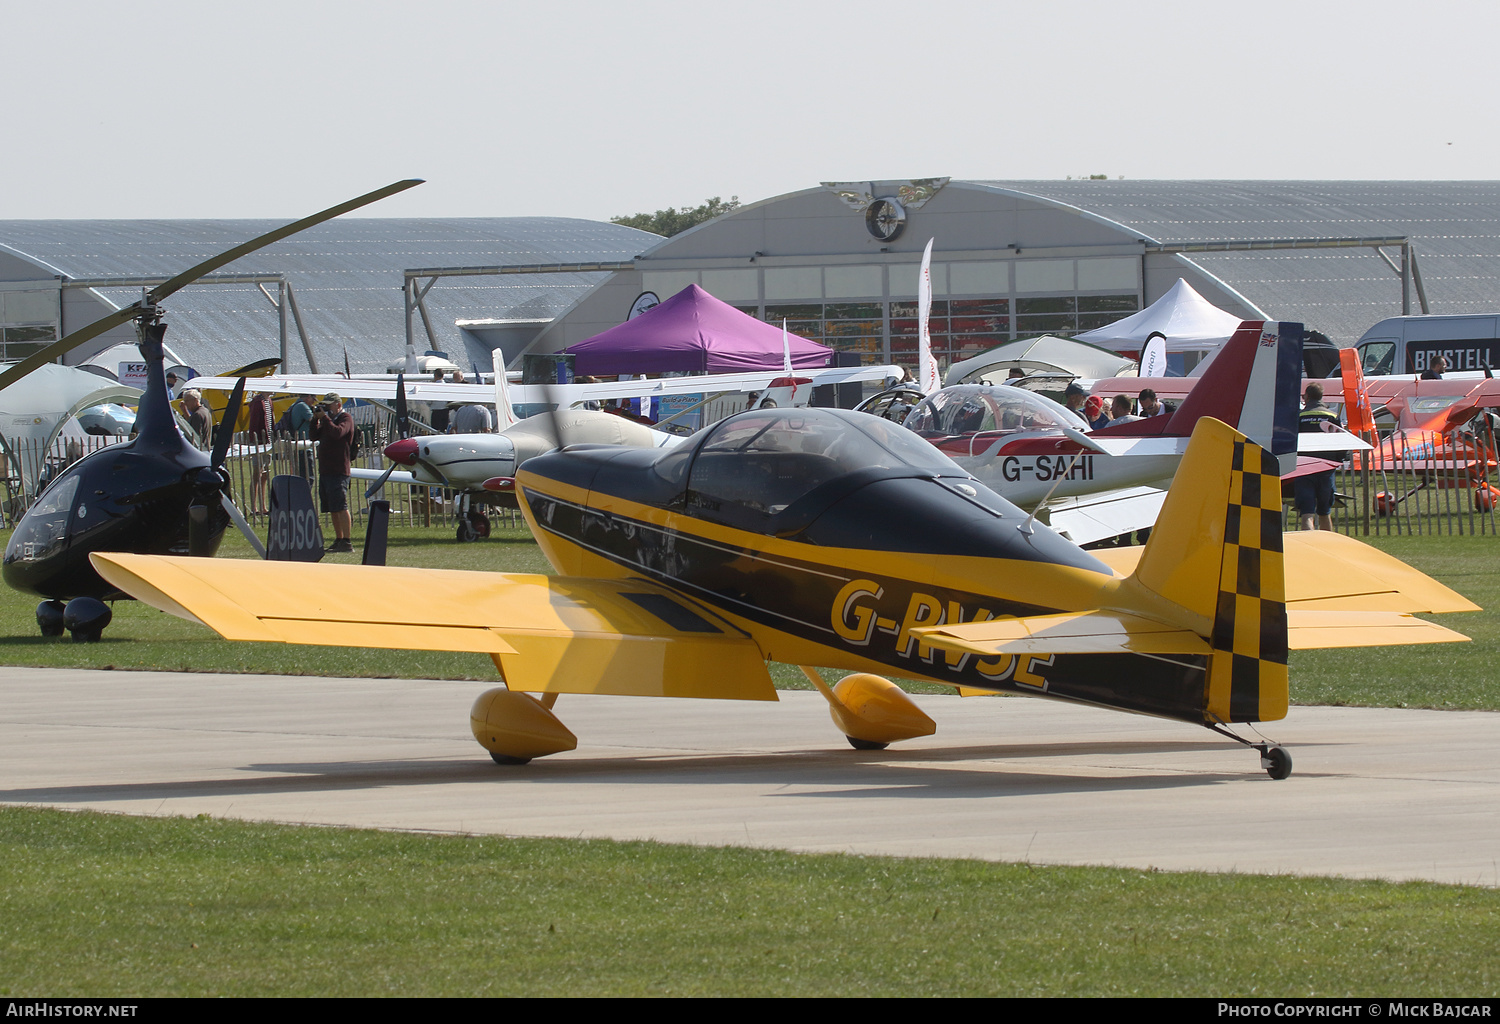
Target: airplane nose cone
(403, 452)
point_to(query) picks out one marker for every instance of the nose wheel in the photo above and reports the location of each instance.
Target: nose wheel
(473, 526)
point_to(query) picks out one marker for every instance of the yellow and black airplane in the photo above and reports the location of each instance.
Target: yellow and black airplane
(825, 538)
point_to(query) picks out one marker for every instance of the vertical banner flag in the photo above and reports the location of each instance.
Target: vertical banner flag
(786, 359)
(1154, 356)
(927, 370)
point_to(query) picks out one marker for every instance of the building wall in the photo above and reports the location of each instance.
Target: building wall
(1004, 266)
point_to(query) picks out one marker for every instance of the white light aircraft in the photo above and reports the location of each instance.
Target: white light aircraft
(1111, 481)
(465, 462)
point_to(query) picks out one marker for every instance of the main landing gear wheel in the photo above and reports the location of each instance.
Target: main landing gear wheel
(504, 759)
(1275, 760)
(49, 618)
(859, 744)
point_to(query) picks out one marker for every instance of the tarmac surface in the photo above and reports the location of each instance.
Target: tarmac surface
(1375, 793)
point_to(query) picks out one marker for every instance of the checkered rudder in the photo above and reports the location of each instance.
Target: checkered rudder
(1247, 677)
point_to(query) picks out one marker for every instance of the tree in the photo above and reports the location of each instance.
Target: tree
(672, 221)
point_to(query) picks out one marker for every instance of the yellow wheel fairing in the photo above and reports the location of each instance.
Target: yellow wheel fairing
(516, 726)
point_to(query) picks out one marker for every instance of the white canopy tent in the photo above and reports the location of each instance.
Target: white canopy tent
(1189, 322)
(34, 410)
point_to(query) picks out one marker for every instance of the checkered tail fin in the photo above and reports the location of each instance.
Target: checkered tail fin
(1216, 554)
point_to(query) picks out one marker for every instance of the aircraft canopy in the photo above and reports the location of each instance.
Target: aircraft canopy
(1047, 354)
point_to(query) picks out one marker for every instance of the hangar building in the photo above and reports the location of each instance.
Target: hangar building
(1022, 258)
(838, 261)
(345, 279)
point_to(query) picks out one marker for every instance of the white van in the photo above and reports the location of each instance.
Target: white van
(1408, 344)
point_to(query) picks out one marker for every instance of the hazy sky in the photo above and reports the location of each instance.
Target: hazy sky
(272, 109)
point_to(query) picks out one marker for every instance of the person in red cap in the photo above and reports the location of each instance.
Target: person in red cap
(1093, 412)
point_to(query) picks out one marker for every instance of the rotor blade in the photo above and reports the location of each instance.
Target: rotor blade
(239, 520)
(374, 488)
(60, 348)
(208, 266)
(226, 425)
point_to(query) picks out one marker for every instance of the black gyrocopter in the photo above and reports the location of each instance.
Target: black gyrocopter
(155, 494)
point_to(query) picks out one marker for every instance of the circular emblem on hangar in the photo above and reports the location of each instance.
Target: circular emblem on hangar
(885, 219)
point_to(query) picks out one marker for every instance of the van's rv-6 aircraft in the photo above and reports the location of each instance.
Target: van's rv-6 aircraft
(834, 539)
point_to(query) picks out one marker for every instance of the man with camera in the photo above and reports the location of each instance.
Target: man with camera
(333, 429)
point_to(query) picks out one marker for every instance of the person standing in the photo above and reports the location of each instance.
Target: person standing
(333, 430)
(1435, 369)
(260, 459)
(472, 419)
(1094, 412)
(298, 418)
(1119, 408)
(296, 421)
(1315, 490)
(1075, 397)
(199, 418)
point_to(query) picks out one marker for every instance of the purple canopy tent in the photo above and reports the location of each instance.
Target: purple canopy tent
(693, 332)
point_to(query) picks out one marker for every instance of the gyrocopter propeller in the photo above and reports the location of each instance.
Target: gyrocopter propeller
(155, 494)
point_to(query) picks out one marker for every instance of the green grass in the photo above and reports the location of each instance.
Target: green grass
(1448, 676)
(114, 906)
(102, 905)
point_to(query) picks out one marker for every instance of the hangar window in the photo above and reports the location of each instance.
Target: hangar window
(28, 321)
(20, 342)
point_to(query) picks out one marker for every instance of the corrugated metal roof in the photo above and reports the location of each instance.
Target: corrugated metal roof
(347, 276)
(1454, 227)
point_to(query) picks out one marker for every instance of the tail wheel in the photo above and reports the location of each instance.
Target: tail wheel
(1276, 761)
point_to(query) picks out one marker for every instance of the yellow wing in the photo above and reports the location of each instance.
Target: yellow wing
(548, 634)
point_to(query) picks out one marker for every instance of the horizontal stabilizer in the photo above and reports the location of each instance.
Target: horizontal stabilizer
(1331, 441)
(1093, 517)
(1328, 571)
(1097, 632)
(547, 633)
(1318, 630)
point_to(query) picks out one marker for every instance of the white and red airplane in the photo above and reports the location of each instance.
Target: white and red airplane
(1102, 483)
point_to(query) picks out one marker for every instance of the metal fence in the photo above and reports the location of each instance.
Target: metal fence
(1413, 484)
(1417, 483)
(26, 467)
